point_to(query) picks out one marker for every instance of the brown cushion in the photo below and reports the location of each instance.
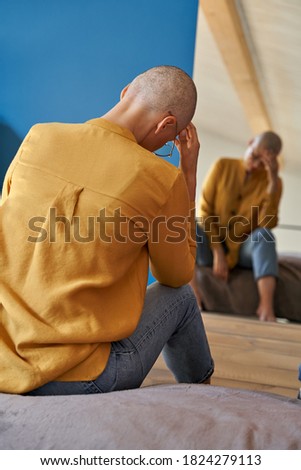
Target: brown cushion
(240, 296)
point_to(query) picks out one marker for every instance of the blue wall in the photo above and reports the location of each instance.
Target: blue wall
(67, 60)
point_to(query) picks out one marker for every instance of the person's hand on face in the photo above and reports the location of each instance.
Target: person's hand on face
(270, 163)
(188, 146)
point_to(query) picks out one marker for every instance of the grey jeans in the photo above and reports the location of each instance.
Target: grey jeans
(170, 323)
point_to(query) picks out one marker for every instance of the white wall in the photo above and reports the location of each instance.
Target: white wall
(212, 148)
(288, 238)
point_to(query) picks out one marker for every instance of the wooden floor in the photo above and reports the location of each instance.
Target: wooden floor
(248, 354)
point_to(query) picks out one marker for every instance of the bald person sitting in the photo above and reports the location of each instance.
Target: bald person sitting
(239, 207)
(86, 209)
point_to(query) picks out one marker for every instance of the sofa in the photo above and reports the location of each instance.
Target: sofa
(239, 296)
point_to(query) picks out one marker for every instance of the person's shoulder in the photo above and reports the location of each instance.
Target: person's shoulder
(226, 163)
(58, 126)
(55, 128)
(229, 161)
(156, 164)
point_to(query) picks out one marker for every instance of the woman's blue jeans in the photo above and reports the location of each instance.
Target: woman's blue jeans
(171, 322)
(257, 252)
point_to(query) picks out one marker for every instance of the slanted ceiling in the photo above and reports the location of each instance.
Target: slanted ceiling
(248, 71)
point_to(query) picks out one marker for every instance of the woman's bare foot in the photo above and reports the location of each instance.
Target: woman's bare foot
(265, 314)
(266, 288)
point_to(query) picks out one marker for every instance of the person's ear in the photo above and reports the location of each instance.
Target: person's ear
(168, 121)
(123, 92)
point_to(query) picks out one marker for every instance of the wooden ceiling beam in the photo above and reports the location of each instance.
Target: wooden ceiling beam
(225, 24)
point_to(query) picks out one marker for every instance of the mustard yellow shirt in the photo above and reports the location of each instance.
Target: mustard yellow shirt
(84, 211)
(232, 206)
